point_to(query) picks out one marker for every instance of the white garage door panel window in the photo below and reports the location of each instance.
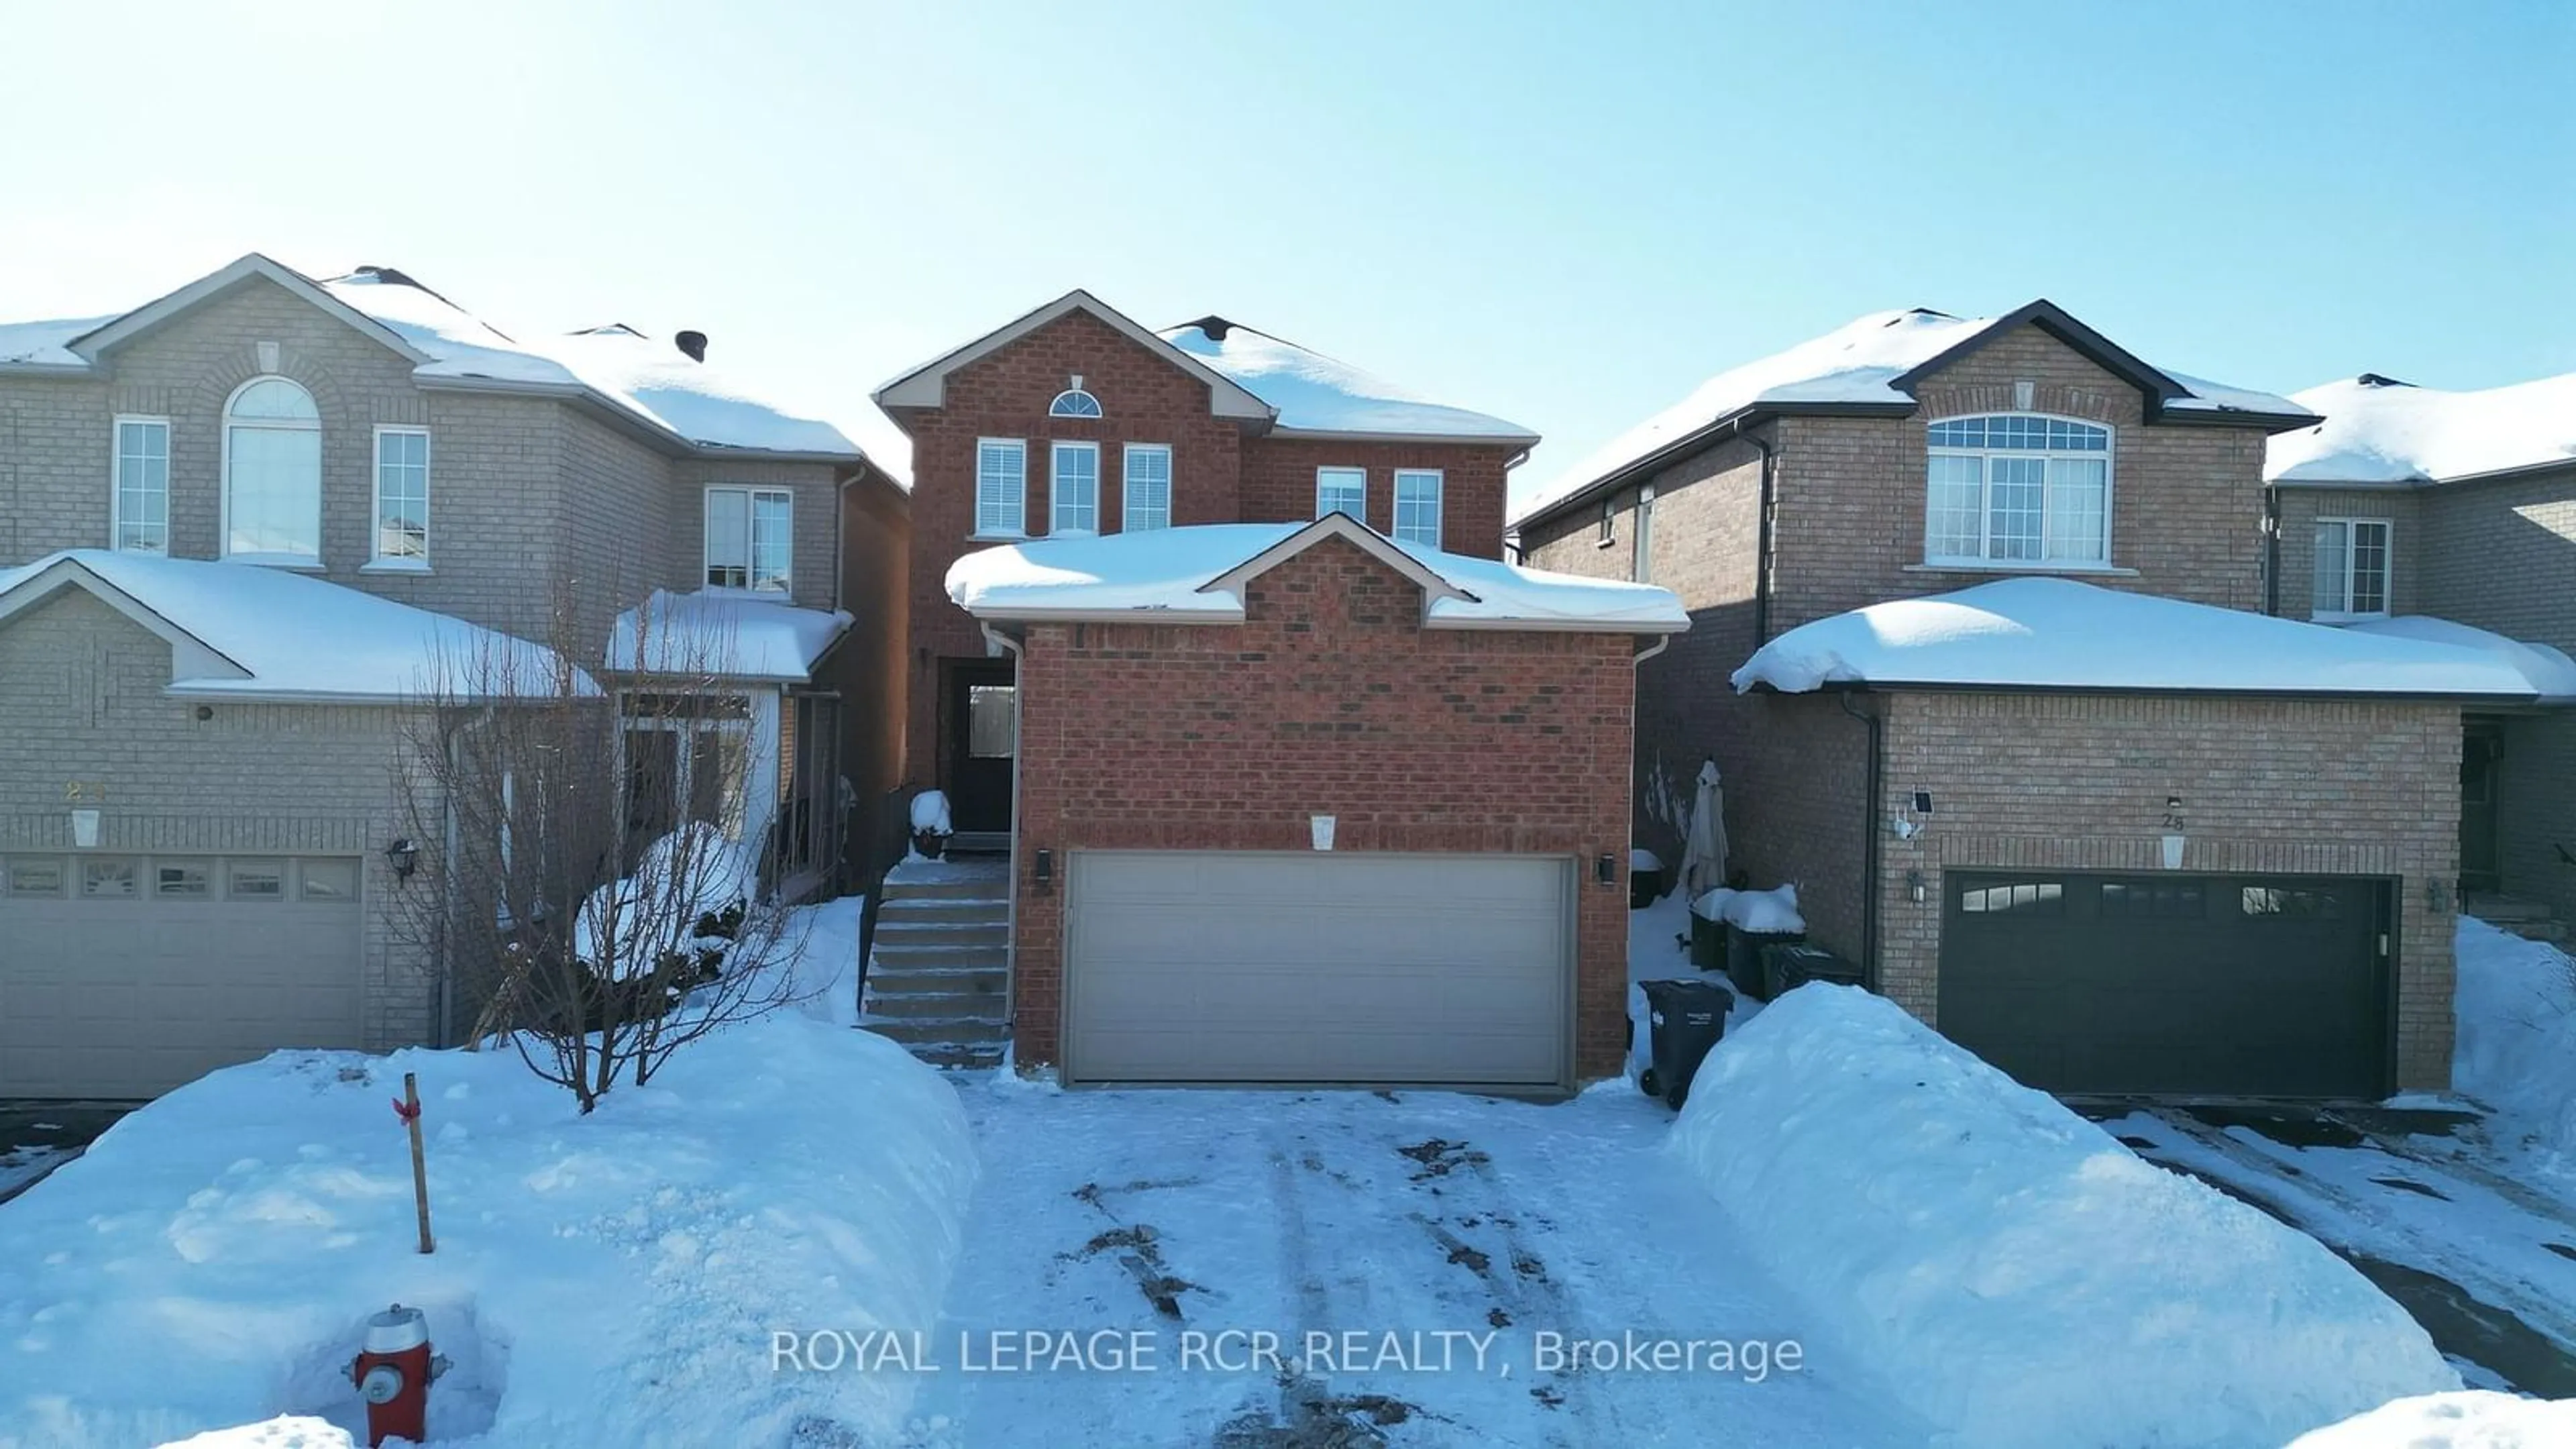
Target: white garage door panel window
(1241, 966)
(208, 961)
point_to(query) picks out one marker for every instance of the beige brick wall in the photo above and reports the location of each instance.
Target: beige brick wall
(81, 700)
(2186, 501)
(2300, 510)
(2079, 782)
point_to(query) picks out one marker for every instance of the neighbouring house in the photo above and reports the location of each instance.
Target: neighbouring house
(1298, 781)
(252, 530)
(1977, 645)
(2452, 515)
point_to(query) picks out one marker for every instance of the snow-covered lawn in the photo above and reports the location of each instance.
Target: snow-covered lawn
(1172, 1212)
(608, 1280)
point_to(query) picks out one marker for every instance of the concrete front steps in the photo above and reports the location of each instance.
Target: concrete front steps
(939, 977)
(2528, 919)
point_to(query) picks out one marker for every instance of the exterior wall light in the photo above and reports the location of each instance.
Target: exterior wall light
(404, 857)
(1045, 864)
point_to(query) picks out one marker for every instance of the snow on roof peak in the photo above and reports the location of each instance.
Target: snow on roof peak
(2043, 633)
(2380, 430)
(1856, 363)
(1168, 573)
(290, 634)
(1316, 393)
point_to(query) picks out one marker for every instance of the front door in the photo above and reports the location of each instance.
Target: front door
(2481, 756)
(983, 744)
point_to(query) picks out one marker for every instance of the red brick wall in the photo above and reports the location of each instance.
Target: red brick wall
(1219, 475)
(1329, 699)
(1279, 484)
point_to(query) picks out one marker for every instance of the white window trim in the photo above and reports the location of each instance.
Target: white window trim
(1984, 562)
(2387, 578)
(1127, 481)
(1439, 504)
(116, 482)
(1056, 449)
(1605, 532)
(752, 494)
(224, 484)
(975, 501)
(1342, 468)
(377, 561)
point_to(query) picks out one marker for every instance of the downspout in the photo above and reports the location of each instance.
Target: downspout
(2272, 550)
(1872, 865)
(1762, 542)
(995, 638)
(1662, 642)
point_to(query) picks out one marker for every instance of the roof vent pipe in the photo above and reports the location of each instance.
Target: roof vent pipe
(1214, 326)
(694, 344)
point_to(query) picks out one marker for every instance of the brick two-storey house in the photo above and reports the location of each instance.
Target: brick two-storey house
(2128, 847)
(1213, 635)
(246, 532)
(2410, 508)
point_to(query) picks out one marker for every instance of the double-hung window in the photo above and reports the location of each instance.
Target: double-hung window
(1417, 506)
(272, 474)
(141, 505)
(2352, 569)
(1342, 490)
(1148, 471)
(1073, 488)
(749, 541)
(2019, 490)
(1001, 488)
(402, 498)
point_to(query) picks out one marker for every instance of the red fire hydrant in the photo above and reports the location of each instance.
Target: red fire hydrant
(393, 1372)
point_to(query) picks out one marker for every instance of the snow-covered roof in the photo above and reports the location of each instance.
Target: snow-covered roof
(2551, 674)
(645, 378)
(1317, 394)
(1197, 574)
(1871, 362)
(2059, 634)
(2378, 430)
(723, 632)
(243, 630)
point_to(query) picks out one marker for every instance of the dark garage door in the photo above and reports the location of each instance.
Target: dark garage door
(2219, 985)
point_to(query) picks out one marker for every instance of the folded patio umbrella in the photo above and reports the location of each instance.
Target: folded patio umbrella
(1704, 854)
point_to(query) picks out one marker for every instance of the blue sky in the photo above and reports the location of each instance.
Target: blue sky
(1567, 215)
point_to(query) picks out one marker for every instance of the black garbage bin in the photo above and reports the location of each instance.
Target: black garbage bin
(1708, 943)
(1645, 879)
(1788, 967)
(1744, 965)
(1684, 1019)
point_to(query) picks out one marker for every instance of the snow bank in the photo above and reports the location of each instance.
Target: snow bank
(1315, 393)
(1771, 910)
(2516, 1023)
(2551, 674)
(294, 634)
(728, 632)
(2474, 1420)
(2021, 1279)
(1855, 363)
(1168, 571)
(2056, 633)
(604, 1280)
(2379, 431)
(287, 1431)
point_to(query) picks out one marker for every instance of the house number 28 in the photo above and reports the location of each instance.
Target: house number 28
(79, 791)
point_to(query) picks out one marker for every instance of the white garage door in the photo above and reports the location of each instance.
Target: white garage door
(1239, 966)
(122, 976)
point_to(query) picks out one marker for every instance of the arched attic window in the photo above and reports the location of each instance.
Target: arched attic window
(272, 474)
(1073, 402)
